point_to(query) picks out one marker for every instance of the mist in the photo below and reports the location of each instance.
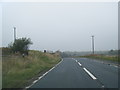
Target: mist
(62, 26)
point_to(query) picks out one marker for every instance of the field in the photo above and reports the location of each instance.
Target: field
(19, 71)
(113, 58)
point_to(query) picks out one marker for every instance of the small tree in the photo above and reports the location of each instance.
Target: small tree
(20, 45)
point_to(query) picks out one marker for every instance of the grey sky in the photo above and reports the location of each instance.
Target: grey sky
(62, 26)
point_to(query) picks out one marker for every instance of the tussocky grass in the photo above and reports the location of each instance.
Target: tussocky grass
(18, 71)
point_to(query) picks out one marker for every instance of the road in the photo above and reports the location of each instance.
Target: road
(79, 73)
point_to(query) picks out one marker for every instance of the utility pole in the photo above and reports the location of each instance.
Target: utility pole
(92, 44)
(14, 33)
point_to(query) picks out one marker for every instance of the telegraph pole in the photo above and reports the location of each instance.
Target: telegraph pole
(92, 44)
(14, 33)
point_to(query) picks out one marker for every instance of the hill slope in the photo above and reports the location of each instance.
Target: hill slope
(19, 71)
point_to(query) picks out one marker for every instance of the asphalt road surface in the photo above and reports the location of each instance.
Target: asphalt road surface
(79, 73)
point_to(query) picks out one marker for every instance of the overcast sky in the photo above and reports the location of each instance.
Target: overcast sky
(62, 26)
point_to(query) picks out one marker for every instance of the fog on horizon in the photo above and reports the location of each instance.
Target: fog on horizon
(62, 26)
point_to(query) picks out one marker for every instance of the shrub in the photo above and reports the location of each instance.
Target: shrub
(20, 45)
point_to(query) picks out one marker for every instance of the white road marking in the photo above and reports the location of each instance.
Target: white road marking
(103, 86)
(28, 87)
(51, 69)
(80, 64)
(39, 78)
(116, 66)
(35, 81)
(76, 60)
(43, 75)
(93, 77)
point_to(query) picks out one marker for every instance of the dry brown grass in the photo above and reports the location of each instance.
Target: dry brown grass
(17, 71)
(103, 57)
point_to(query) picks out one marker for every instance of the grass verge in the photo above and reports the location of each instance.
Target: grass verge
(18, 71)
(103, 57)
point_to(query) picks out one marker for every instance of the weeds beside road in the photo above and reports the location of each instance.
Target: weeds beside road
(18, 71)
(111, 58)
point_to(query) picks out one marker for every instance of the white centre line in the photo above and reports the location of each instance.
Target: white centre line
(80, 64)
(93, 77)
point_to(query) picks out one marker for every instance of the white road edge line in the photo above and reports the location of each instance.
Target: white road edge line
(35, 81)
(43, 75)
(93, 77)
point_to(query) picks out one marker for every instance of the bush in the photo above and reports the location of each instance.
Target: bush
(20, 45)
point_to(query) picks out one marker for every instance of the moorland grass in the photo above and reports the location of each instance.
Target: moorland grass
(103, 57)
(17, 71)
